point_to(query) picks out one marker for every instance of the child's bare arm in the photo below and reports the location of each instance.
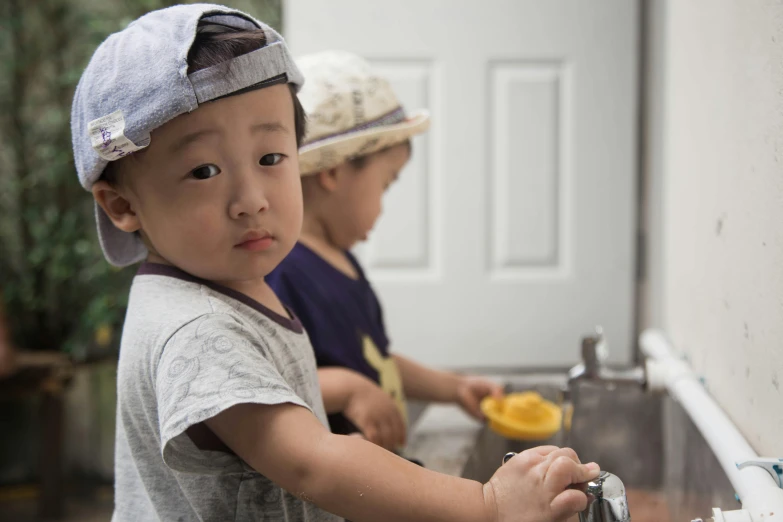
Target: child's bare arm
(358, 480)
(345, 475)
(365, 404)
(336, 387)
(427, 384)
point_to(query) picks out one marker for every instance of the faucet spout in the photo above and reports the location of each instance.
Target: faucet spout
(592, 368)
(606, 500)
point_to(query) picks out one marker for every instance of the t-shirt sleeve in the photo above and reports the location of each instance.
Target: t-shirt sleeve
(207, 366)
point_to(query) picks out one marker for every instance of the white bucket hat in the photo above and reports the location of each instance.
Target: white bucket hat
(351, 111)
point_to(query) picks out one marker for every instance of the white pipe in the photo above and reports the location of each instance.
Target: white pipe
(741, 515)
(758, 492)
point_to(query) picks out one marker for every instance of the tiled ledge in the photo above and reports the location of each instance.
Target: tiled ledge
(443, 439)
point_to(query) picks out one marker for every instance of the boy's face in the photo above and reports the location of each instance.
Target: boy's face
(217, 193)
(358, 196)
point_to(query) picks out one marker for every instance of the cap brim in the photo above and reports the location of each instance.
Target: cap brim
(327, 154)
(120, 248)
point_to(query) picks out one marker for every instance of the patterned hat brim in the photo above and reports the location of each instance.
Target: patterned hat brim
(329, 153)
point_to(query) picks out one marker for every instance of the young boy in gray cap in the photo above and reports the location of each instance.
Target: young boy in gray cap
(185, 128)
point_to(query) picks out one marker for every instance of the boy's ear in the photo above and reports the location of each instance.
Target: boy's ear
(116, 206)
(328, 179)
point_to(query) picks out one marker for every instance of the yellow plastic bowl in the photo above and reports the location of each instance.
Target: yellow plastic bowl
(523, 416)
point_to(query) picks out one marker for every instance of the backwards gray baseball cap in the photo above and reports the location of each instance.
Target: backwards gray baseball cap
(138, 79)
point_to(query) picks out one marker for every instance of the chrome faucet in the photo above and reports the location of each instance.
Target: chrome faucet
(606, 500)
(592, 368)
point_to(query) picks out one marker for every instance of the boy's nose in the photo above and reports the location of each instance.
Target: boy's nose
(249, 196)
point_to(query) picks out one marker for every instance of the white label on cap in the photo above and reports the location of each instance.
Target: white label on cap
(107, 135)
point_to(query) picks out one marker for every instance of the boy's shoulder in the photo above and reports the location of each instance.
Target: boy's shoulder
(160, 299)
(304, 263)
(164, 300)
(297, 259)
(301, 266)
(160, 309)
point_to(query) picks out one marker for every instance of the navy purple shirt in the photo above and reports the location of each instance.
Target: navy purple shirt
(342, 317)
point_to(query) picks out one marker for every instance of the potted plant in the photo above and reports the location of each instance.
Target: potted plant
(59, 293)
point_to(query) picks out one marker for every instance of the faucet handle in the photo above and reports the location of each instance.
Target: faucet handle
(607, 501)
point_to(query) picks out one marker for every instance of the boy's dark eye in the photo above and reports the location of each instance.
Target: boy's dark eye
(205, 171)
(270, 160)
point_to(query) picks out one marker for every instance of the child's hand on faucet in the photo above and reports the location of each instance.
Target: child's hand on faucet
(539, 485)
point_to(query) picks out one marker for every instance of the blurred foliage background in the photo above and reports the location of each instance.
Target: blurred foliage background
(59, 292)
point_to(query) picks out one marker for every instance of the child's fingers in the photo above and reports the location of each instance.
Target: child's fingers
(391, 419)
(568, 503)
(544, 450)
(473, 405)
(563, 472)
(595, 468)
(485, 388)
(396, 432)
(565, 452)
(373, 435)
(545, 455)
(399, 428)
(588, 472)
(386, 436)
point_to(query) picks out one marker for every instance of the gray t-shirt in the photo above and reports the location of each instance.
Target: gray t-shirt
(191, 349)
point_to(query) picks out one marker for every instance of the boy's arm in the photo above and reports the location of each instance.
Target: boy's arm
(427, 384)
(358, 480)
(348, 476)
(364, 403)
(337, 385)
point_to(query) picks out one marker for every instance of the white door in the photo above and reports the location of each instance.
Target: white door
(511, 232)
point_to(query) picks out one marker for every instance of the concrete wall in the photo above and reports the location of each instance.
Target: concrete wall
(714, 181)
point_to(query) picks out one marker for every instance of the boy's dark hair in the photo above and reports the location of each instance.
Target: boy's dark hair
(217, 43)
(360, 162)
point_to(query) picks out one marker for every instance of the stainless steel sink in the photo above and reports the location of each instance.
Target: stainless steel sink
(619, 429)
(647, 441)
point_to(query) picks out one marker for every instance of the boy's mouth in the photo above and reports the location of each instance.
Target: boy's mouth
(255, 241)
